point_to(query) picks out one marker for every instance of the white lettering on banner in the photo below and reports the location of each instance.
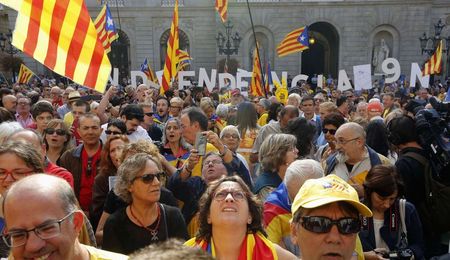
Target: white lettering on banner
(184, 74)
(343, 81)
(298, 78)
(203, 78)
(320, 81)
(362, 76)
(416, 73)
(395, 70)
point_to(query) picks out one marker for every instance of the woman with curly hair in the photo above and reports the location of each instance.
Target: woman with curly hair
(144, 221)
(231, 225)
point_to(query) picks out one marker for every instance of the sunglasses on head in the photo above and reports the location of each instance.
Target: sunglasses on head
(345, 226)
(51, 131)
(332, 131)
(149, 177)
(109, 132)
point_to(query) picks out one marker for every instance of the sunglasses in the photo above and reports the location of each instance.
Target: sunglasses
(109, 132)
(319, 225)
(149, 177)
(51, 131)
(326, 130)
(149, 114)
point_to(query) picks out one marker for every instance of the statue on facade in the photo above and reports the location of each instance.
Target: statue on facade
(380, 53)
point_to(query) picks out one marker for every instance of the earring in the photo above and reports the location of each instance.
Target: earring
(249, 221)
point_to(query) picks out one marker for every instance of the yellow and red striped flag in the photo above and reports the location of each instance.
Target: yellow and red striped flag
(295, 41)
(25, 74)
(145, 67)
(434, 64)
(105, 27)
(170, 64)
(183, 55)
(256, 86)
(61, 35)
(222, 8)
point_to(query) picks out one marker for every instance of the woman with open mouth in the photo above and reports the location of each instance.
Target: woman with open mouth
(57, 138)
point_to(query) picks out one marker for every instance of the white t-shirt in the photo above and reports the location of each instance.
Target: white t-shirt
(379, 242)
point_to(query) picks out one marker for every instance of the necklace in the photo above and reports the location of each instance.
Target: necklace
(153, 232)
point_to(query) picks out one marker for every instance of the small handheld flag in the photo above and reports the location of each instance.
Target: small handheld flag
(295, 41)
(105, 28)
(145, 67)
(434, 64)
(25, 74)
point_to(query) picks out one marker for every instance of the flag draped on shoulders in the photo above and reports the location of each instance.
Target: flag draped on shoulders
(295, 41)
(25, 74)
(256, 85)
(61, 35)
(254, 247)
(434, 64)
(105, 28)
(222, 9)
(170, 64)
(277, 214)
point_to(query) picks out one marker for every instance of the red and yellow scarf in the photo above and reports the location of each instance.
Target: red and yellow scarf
(254, 247)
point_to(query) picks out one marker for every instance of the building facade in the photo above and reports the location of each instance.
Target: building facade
(346, 32)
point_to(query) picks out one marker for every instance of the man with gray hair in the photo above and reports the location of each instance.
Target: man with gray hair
(262, 109)
(354, 158)
(43, 221)
(277, 207)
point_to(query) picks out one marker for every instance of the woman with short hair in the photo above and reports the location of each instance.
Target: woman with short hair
(57, 139)
(144, 221)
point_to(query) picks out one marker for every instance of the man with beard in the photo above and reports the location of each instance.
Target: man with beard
(162, 110)
(354, 158)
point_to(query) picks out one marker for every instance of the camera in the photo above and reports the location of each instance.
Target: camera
(400, 254)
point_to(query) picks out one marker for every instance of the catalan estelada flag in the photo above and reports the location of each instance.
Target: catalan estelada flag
(268, 76)
(256, 86)
(222, 9)
(61, 35)
(145, 67)
(25, 74)
(184, 60)
(434, 64)
(170, 64)
(295, 41)
(105, 28)
(276, 216)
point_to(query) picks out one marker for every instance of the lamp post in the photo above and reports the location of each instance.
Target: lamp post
(228, 44)
(434, 40)
(7, 47)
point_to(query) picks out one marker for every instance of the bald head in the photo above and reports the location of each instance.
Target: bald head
(30, 137)
(356, 129)
(40, 186)
(10, 103)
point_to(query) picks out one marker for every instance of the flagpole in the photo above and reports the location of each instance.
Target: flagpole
(118, 14)
(257, 49)
(5, 80)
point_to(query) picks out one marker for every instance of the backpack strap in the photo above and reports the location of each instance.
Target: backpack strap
(373, 156)
(330, 163)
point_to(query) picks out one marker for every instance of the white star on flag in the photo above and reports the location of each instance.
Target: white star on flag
(302, 38)
(109, 21)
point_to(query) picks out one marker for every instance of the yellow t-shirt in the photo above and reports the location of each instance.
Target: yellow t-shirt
(98, 254)
(68, 119)
(262, 121)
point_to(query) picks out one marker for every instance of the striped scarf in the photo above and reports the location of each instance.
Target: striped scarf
(254, 247)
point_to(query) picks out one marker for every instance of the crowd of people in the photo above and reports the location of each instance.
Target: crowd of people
(112, 176)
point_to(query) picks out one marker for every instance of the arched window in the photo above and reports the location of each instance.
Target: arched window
(184, 44)
(120, 55)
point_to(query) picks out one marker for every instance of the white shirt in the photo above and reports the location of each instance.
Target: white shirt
(139, 134)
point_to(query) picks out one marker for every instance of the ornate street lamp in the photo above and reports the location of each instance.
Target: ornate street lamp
(228, 44)
(7, 47)
(424, 40)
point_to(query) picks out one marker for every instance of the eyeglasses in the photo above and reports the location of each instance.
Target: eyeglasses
(222, 195)
(217, 161)
(23, 104)
(149, 114)
(51, 131)
(110, 132)
(323, 224)
(16, 174)
(149, 177)
(231, 136)
(326, 130)
(45, 231)
(176, 107)
(344, 142)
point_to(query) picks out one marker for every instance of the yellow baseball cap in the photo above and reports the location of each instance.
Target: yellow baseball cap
(318, 192)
